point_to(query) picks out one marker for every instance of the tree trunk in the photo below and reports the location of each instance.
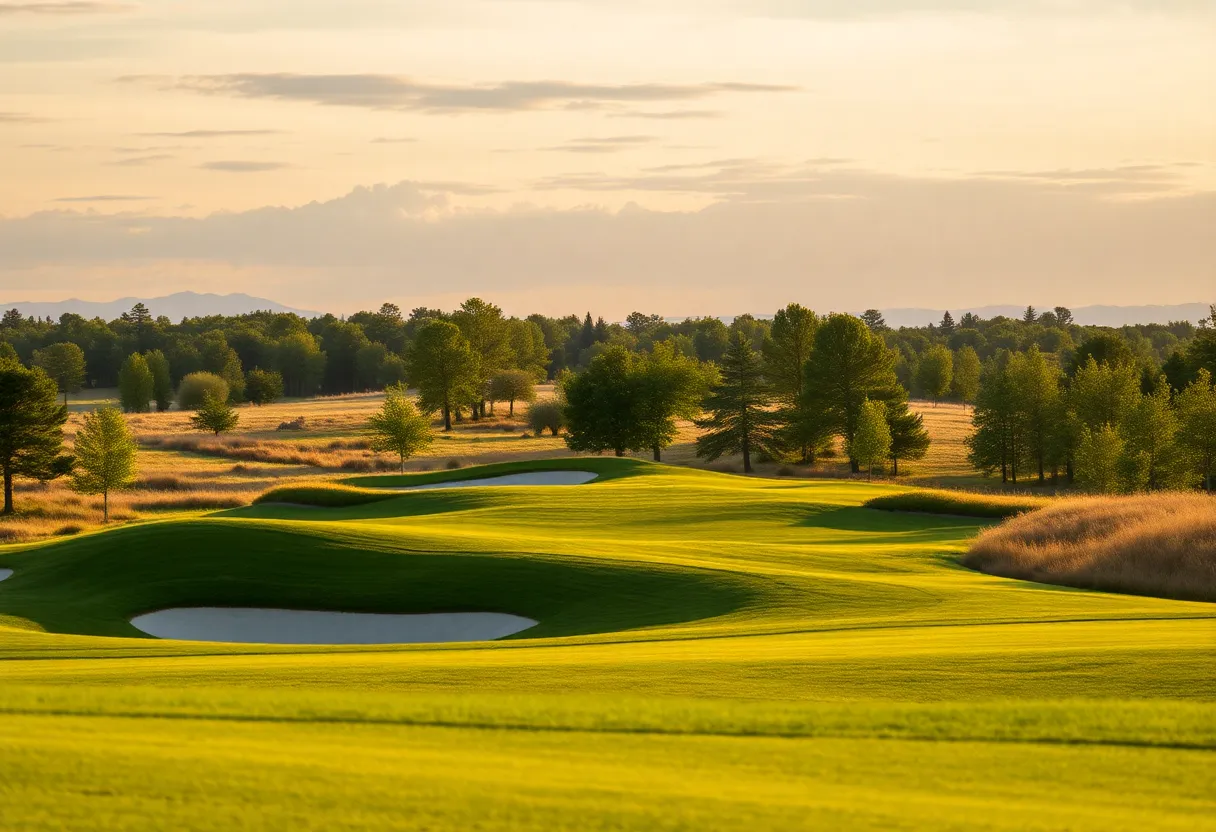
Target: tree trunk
(1042, 473)
(403, 463)
(747, 455)
(1004, 473)
(447, 417)
(895, 466)
(8, 490)
(658, 454)
(620, 451)
(105, 506)
(511, 412)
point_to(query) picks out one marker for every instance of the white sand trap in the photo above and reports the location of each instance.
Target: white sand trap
(530, 478)
(262, 626)
(5, 573)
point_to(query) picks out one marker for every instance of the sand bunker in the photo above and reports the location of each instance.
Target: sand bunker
(264, 626)
(530, 478)
(5, 573)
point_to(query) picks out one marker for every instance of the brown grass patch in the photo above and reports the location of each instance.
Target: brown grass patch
(1160, 544)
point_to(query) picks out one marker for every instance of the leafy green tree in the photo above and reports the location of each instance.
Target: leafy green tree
(966, 376)
(672, 387)
(489, 337)
(215, 416)
(398, 427)
(1104, 348)
(162, 379)
(263, 387)
(1197, 417)
(301, 362)
(909, 439)
(935, 372)
(444, 368)
(1201, 352)
(64, 363)
(1063, 316)
(31, 427)
(548, 415)
(996, 441)
(871, 441)
(1104, 393)
(105, 456)
(223, 361)
(195, 387)
(512, 386)
(1039, 405)
(368, 361)
(740, 419)
(393, 370)
(8, 355)
(135, 384)
(1153, 459)
(1099, 455)
(531, 352)
(786, 351)
(604, 404)
(848, 366)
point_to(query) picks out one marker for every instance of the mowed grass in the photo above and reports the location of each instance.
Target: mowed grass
(715, 652)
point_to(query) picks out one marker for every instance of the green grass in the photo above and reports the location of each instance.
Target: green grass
(715, 652)
(958, 503)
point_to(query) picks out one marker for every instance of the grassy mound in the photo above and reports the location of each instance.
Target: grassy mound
(321, 495)
(957, 503)
(1161, 544)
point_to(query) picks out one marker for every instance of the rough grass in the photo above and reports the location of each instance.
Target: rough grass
(1160, 544)
(958, 503)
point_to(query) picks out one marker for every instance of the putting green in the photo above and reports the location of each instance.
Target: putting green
(713, 652)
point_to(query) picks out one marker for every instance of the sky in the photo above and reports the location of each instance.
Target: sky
(673, 156)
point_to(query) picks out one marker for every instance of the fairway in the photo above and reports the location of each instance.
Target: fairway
(712, 652)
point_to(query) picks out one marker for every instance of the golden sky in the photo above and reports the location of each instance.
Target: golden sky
(683, 157)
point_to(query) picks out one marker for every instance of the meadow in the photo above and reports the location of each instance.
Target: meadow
(714, 652)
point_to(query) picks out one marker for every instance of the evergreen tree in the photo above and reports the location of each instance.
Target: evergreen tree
(162, 379)
(935, 373)
(105, 456)
(909, 439)
(966, 376)
(1030, 315)
(1197, 417)
(874, 320)
(215, 416)
(31, 427)
(135, 384)
(398, 427)
(849, 364)
(443, 368)
(739, 419)
(64, 363)
(786, 351)
(946, 327)
(872, 440)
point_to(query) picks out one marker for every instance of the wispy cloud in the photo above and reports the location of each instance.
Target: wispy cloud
(395, 92)
(670, 115)
(604, 144)
(394, 140)
(105, 198)
(243, 166)
(65, 8)
(212, 134)
(19, 118)
(140, 161)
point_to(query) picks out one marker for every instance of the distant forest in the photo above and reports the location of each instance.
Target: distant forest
(370, 350)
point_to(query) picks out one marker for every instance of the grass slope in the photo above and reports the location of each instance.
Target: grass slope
(715, 652)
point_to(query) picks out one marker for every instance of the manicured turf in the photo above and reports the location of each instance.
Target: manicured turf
(714, 653)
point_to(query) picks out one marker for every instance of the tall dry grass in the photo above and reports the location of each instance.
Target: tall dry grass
(1159, 544)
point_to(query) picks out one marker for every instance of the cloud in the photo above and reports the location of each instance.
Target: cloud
(605, 144)
(670, 115)
(65, 8)
(20, 118)
(105, 198)
(394, 140)
(243, 166)
(395, 92)
(848, 9)
(213, 134)
(140, 161)
(831, 239)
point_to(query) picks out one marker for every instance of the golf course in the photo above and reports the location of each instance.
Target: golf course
(710, 651)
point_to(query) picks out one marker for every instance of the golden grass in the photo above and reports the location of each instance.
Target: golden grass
(958, 503)
(1159, 544)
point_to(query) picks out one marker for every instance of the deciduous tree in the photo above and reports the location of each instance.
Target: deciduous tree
(64, 363)
(871, 441)
(443, 368)
(935, 372)
(135, 384)
(398, 427)
(105, 455)
(215, 416)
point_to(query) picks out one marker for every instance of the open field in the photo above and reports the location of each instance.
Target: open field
(714, 652)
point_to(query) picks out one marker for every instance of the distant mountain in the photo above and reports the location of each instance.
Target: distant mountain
(175, 307)
(1084, 315)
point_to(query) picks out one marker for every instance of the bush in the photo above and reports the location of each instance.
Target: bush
(263, 387)
(548, 416)
(193, 390)
(958, 503)
(295, 424)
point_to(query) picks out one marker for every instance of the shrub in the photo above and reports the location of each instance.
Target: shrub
(453, 464)
(263, 387)
(295, 424)
(957, 503)
(548, 416)
(193, 390)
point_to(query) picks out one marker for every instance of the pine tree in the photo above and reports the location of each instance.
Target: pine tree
(786, 351)
(946, 327)
(105, 455)
(398, 427)
(215, 416)
(909, 439)
(739, 419)
(1030, 315)
(874, 320)
(31, 428)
